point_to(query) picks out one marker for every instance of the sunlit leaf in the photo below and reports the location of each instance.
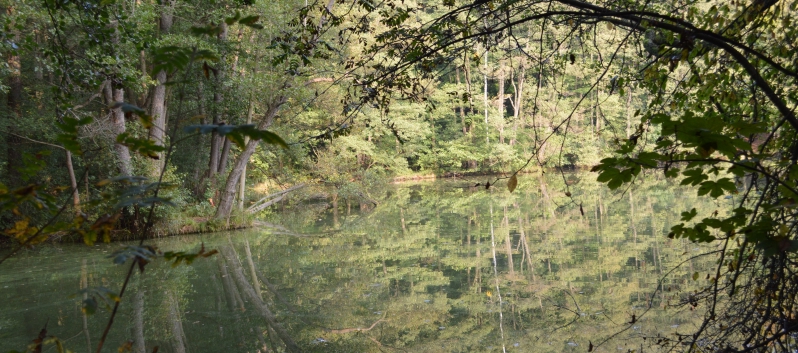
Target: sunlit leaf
(512, 183)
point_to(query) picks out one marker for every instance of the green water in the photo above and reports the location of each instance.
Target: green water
(432, 267)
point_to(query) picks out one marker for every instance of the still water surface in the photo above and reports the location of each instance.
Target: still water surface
(432, 267)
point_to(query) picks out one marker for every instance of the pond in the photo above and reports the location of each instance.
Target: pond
(430, 267)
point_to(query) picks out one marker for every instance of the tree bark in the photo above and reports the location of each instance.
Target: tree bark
(225, 156)
(158, 111)
(467, 68)
(227, 196)
(628, 111)
(73, 182)
(242, 184)
(485, 77)
(519, 94)
(218, 116)
(113, 95)
(460, 102)
(500, 103)
(273, 198)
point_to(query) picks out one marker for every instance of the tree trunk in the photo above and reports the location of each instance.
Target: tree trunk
(218, 117)
(113, 95)
(460, 103)
(485, 77)
(158, 129)
(467, 68)
(628, 111)
(73, 182)
(599, 117)
(225, 156)
(242, 184)
(519, 91)
(227, 196)
(500, 103)
(158, 112)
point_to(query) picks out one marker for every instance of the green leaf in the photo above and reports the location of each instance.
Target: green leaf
(145, 147)
(687, 216)
(693, 177)
(236, 133)
(716, 188)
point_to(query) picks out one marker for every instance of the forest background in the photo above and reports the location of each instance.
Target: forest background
(70, 66)
(117, 109)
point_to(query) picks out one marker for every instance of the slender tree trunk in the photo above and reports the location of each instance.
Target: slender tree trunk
(86, 185)
(460, 103)
(213, 162)
(508, 247)
(224, 156)
(500, 102)
(599, 117)
(628, 112)
(467, 68)
(73, 182)
(242, 187)
(519, 94)
(485, 77)
(113, 95)
(228, 193)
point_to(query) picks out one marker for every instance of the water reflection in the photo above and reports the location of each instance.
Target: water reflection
(434, 267)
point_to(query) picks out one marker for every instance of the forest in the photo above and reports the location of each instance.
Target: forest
(127, 121)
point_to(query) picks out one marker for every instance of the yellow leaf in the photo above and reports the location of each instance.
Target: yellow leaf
(512, 183)
(104, 182)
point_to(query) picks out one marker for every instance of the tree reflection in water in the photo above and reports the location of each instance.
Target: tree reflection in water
(406, 275)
